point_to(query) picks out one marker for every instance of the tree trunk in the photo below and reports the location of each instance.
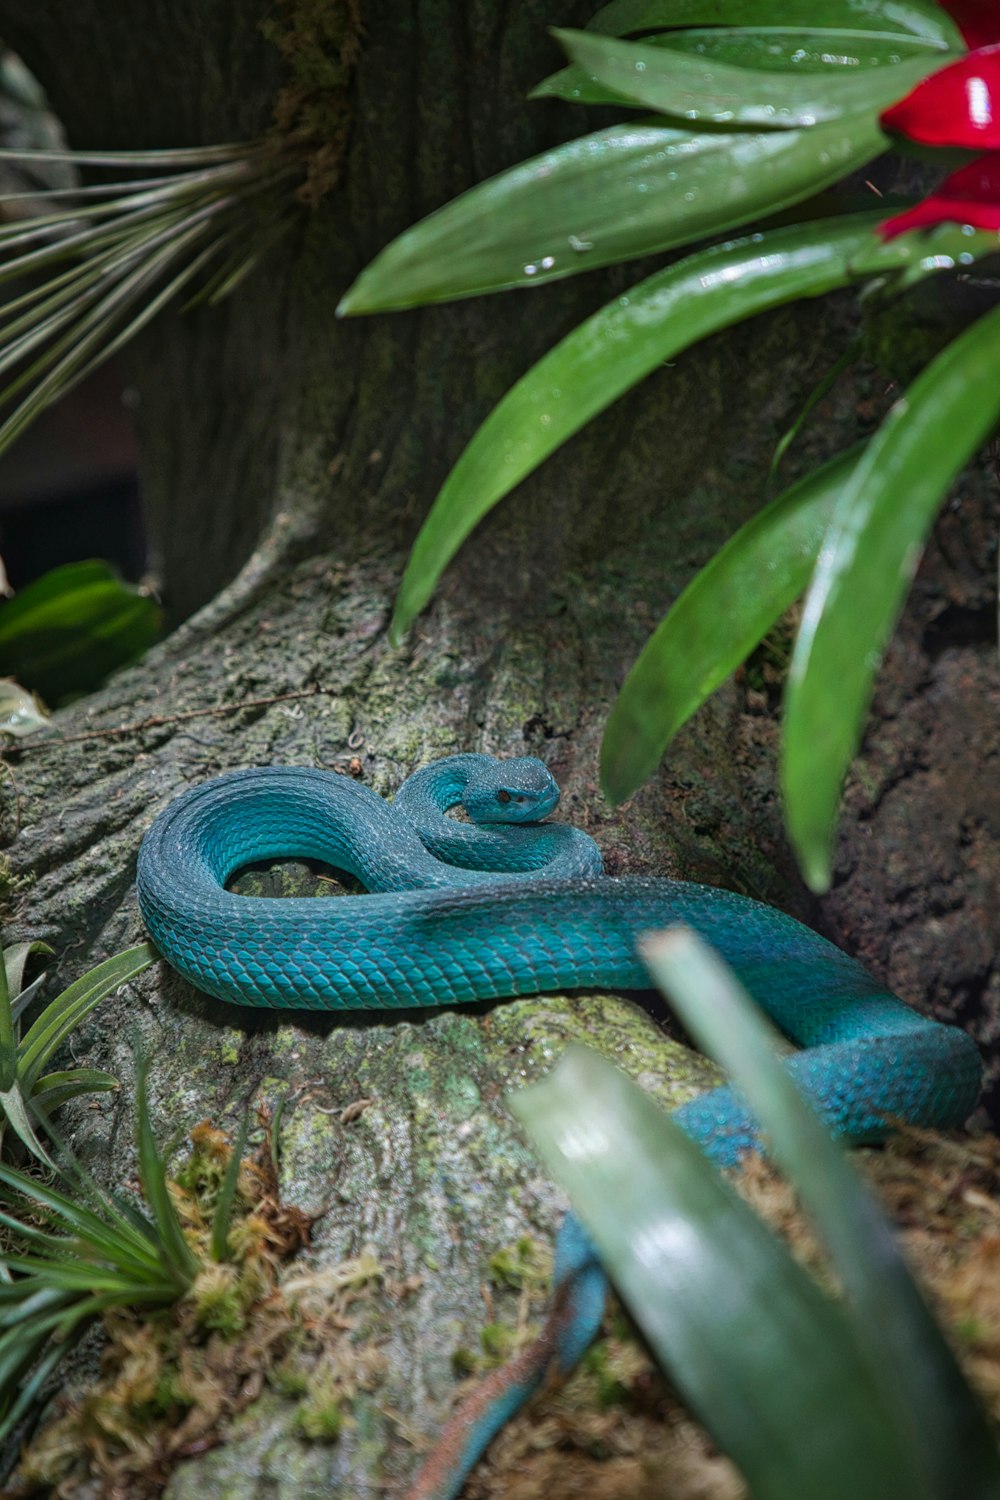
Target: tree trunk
(288, 460)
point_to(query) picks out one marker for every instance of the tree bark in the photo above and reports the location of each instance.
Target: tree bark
(288, 460)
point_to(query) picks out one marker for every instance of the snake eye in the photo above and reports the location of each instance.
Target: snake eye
(503, 796)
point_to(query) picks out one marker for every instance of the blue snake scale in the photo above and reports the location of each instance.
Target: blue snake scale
(458, 913)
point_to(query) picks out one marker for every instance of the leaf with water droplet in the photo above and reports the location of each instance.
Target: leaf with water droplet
(608, 354)
(690, 88)
(875, 538)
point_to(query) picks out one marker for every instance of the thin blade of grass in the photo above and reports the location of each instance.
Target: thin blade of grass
(178, 1256)
(227, 1192)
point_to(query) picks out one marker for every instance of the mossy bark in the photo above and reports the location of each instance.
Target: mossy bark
(290, 459)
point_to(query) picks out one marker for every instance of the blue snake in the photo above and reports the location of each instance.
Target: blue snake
(508, 905)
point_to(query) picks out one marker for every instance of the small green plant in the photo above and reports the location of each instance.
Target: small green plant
(27, 1092)
(62, 634)
(809, 1393)
(95, 1252)
(747, 109)
(103, 259)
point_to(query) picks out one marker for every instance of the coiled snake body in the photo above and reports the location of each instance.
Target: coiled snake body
(461, 913)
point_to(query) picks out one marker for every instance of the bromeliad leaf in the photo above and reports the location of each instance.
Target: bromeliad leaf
(624, 192)
(718, 620)
(904, 1349)
(923, 19)
(868, 557)
(713, 92)
(768, 49)
(702, 1276)
(68, 1009)
(608, 354)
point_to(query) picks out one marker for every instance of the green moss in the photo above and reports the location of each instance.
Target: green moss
(320, 41)
(12, 886)
(320, 1417)
(523, 1263)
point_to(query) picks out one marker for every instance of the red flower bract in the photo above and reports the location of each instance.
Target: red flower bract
(957, 106)
(977, 20)
(969, 196)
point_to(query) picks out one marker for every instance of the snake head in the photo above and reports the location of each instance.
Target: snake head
(511, 791)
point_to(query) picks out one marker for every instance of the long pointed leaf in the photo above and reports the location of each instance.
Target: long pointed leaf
(767, 1362)
(624, 192)
(78, 1000)
(948, 1441)
(15, 961)
(607, 355)
(14, 1113)
(696, 88)
(920, 18)
(717, 621)
(868, 557)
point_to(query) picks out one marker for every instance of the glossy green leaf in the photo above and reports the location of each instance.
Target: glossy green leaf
(624, 192)
(743, 1332)
(607, 355)
(765, 48)
(868, 557)
(920, 253)
(905, 18)
(905, 1351)
(68, 1009)
(65, 632)
(711, 92)
(724, 612)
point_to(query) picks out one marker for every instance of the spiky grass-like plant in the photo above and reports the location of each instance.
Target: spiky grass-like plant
(102, 259)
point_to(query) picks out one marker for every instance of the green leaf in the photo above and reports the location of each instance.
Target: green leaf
(905, 18)
(742, 1331)
(904, 1349)
(703, 90)
(55, 1088)
(14, 1114)
(628, 191)
(227, 1192)
(767, 49)
(178, 1259)
(850, 355)
(609, 353)
(716, 622)
(868, 557)
(67, 631)
(67, 1010)
(15, 961)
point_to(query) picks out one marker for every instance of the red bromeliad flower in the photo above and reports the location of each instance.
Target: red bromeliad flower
(958, 106)
(977, 20)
